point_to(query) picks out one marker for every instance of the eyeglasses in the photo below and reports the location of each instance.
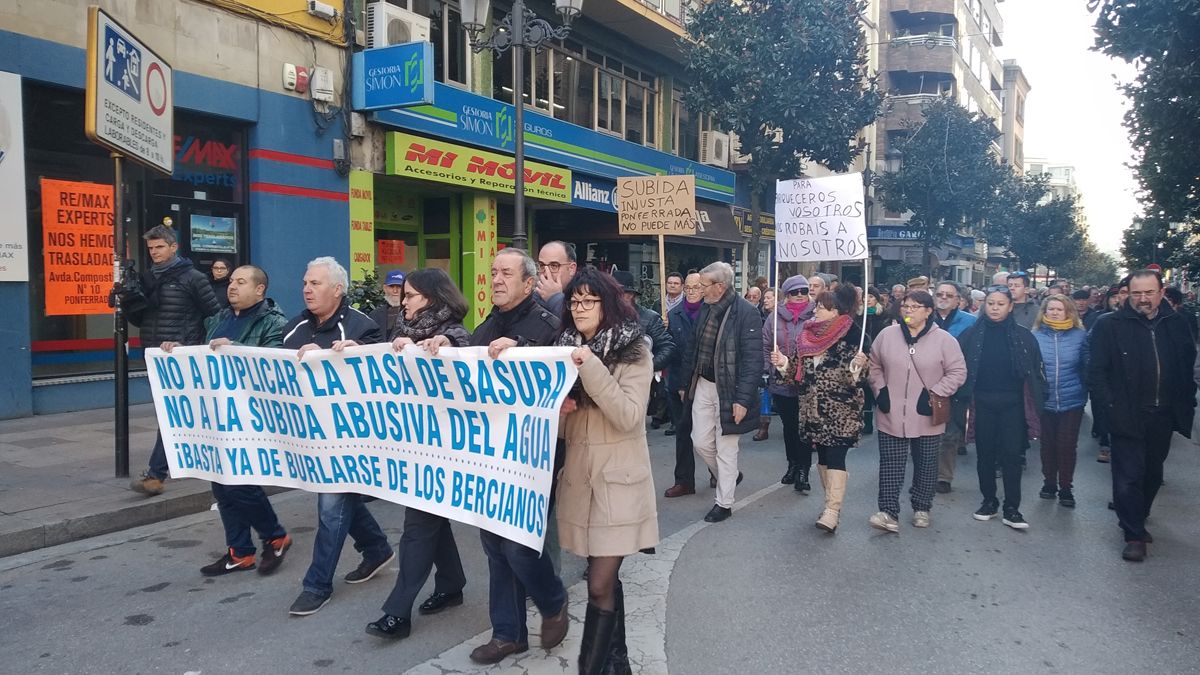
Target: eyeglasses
(693, 287)
(798, 292)
(711, 283)
(586, 304)
(1143, 294)
(911, 308)
(409, 295)
(554, 266)
(944, 294)
(999, 289)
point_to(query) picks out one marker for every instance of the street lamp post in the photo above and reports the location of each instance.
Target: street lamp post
(521, 29)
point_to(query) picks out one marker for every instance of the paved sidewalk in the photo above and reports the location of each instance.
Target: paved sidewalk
(57, 482)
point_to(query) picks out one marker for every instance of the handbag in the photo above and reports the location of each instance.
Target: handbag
(939, 406)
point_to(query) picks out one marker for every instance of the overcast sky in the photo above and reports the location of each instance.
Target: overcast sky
(1074, 110)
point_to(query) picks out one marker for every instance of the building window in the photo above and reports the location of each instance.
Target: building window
(451, 51)
(685, 125)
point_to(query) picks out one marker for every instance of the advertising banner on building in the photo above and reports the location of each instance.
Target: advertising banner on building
(130, 104)
(820, 219)
(362, 224)
(657, 205)
(428, 159)
(477, 260)
(14, 237)
(480, 120)
(393, 77)
(213, 234)
(77, 246)
(460, 435)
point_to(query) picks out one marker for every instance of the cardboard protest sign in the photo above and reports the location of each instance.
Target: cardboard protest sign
(821, 219)
(657, 205)
(460, 435)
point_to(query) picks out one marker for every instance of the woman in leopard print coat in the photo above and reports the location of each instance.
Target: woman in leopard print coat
(830, 372)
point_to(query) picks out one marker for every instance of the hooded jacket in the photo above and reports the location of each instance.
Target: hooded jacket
(346, 323)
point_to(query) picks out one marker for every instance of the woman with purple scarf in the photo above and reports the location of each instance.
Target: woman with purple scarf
(785, 322)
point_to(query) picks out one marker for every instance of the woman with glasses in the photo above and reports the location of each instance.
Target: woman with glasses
(433, 306)
(605, 500)
(221, 269)
(829, 373)
(782, 327)
(910, 360)
(1064, 346)
(1004, 388)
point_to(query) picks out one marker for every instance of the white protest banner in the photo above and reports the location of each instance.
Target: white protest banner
(460, 435)
(820, 219)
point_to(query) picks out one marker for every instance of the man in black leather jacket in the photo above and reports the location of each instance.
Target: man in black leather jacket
(178, 298)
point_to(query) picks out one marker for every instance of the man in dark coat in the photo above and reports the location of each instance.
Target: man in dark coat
(516, 571)
(724, 372)
(252, 320)
(329, 322)
(1140, 377)
(681, 322)
(391, 313)
(662, 345)
(177, 300)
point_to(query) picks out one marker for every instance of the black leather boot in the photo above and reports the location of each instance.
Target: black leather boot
(801, 485)
(618, 655)
(598, 625)
(789, 476)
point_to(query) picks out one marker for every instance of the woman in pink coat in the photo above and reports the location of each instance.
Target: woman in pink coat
(908, 360)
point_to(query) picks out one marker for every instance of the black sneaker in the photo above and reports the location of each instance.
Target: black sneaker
(308, 603)
(1049, 491)
(227, 564)
(390, 627)
(1014, 519)
(273, 552)
(1066, 498)
(986, 511)
(367, 569)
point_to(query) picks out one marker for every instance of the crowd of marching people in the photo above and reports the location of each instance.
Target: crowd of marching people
(928, 367)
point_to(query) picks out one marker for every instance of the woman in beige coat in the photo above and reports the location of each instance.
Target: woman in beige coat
(605, 501)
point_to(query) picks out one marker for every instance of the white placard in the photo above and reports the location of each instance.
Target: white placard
(130, 99)
(461, 435)
(14, 237)
(821, 219)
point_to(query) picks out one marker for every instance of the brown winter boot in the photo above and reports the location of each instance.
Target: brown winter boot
(764, 428)
(835, 492)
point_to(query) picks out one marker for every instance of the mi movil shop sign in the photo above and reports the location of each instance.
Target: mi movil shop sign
(428, 159)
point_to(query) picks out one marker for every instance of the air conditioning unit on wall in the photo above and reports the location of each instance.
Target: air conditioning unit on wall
(714, 148)
(391, 25)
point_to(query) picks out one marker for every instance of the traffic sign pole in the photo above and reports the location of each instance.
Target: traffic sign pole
(120, 327)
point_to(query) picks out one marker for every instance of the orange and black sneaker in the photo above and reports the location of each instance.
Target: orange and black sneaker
(229, 563)
(272, 555)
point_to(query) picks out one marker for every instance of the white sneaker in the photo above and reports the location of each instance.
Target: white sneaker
(921, 519)
(882, 521)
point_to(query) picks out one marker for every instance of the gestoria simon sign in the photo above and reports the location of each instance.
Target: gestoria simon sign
(429, 159)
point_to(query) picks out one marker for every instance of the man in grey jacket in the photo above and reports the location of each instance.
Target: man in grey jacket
(723, 374)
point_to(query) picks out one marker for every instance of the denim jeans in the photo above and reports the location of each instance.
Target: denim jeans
(243, 507)
(339, 514)
(515, 571)
(158, 460)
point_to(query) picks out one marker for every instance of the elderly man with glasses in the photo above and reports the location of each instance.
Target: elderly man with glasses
(556, 264)
(950, 317)
(723, 374)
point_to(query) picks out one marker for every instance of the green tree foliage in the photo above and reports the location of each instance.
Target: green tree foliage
(1090, 267)
(1150, 240)
(949, 178)
(789, 78)
(1036, 229)
(1162, 38)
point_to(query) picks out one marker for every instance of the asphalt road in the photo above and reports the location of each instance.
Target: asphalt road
(764, 592)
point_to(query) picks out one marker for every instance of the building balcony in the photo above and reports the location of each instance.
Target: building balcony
(943, 7)
(922, 54)
(656, 24)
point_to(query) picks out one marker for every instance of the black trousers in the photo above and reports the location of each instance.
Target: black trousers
(1000, 433)
(1137, 470)
(798, 451)
(685, 457)
(427, 542)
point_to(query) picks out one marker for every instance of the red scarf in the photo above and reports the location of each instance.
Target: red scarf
(817, 336)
